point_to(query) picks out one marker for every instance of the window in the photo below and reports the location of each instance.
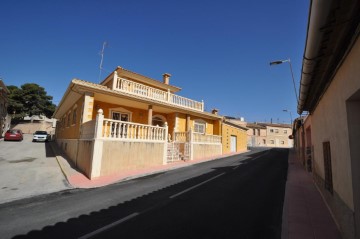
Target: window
(120, 116)
(282, 142)
(272, 141)
(199, 126)
(327, 167)
(64, 121)
(68, 119)
(74, 116)
(276, 131)
(271, 131)
(258, 132)
(264, 141)
(285, 131)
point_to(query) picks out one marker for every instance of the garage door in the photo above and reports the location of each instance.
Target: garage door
(233, 143)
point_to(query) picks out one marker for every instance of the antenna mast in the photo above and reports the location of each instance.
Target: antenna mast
(102, 58)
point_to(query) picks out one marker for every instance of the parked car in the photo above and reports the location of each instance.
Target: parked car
(14, 134)
(42, 136)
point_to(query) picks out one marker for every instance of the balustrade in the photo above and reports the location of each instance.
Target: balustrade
(138, 89)
(116, 129)
(196, 137)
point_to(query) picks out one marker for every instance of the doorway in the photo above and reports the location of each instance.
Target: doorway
(233, 143)
(353, 123)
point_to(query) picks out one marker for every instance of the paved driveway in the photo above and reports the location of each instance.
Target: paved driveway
(28, 169)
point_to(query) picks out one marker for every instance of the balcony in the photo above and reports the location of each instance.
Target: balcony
(137, 89)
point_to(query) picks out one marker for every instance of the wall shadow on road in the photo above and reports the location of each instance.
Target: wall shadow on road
(84, 224)
(49, 153)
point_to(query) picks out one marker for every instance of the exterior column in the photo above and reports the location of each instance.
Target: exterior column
(150, 114)
(97, 146)
(188, 126)
(165, 144)
(115, 80)
(191, 144)
(88, 107)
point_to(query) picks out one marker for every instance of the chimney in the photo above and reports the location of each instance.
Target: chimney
(214, 111)
(166, 78)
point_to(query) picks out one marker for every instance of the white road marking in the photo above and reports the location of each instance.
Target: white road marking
(195, 186)
(100, 230)
(237, 166)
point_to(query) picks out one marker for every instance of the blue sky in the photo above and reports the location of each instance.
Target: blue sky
(216, 51)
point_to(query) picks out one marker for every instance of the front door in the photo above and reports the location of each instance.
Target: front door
(233, 143)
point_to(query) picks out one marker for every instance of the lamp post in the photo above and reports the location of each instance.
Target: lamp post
(290, 115)
(292, 74)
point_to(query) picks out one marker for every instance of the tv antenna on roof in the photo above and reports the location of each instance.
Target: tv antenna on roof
(105, 44)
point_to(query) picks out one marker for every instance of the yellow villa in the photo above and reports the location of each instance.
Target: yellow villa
(131, 121)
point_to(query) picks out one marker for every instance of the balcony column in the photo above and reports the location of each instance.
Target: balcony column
(188, 125)
(165, 144)
(150, 115)
(115, 86)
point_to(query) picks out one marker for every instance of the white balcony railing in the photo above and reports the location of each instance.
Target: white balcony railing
(116, 129)
(196, 137)
(138, 89)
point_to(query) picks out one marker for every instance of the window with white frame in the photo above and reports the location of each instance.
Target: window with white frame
(120, 114)
(199, 126)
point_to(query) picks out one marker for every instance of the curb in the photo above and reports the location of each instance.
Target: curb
(58, 159)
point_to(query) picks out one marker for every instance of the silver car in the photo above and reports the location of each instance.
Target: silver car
(41, 136)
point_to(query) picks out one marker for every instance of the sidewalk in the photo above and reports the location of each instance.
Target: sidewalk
(305, 214)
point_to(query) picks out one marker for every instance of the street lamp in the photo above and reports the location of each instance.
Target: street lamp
(290, 115)
(292, 74)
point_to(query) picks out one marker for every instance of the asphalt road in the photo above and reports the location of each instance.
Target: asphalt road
(237, 197)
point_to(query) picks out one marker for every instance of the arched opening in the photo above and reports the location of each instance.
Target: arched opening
(158, 120)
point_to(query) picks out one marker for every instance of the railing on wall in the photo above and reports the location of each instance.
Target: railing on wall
(182, 136)
(204, 138)
(122, 130)
(138, 89)
(115, 129)
(193, 137)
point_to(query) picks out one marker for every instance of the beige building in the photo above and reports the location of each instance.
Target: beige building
(4, 123)
(277, 135)
(266, 134)
(256, 135)
(327, 140)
